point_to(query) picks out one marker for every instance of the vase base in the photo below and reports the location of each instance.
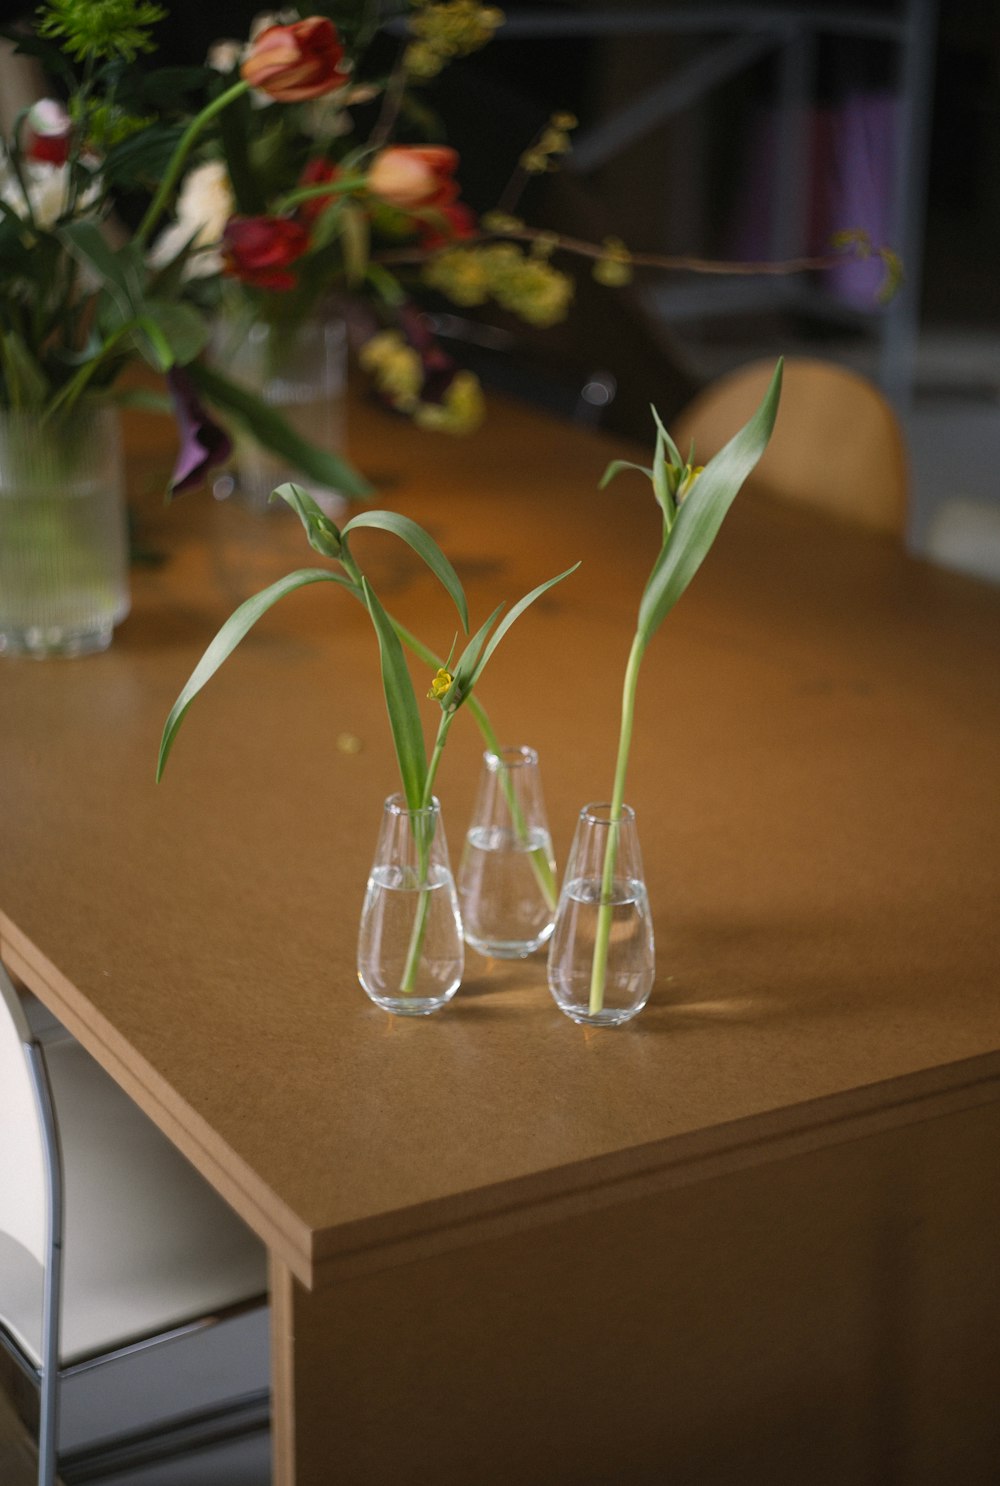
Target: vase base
(514, 949)
(409, 1005)
(608, 1017)
(38, 643)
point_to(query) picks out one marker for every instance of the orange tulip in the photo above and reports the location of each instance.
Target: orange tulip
(297, 62)
(414, 176)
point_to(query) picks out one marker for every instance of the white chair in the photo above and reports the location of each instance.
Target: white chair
(110, 1241)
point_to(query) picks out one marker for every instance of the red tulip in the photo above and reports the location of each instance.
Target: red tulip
(448, 224)
(260, 250)
(297, 62)
(414, 176)
(317, 173)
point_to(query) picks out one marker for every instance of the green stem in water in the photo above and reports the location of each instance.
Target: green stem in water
(424, 832)
(602, 938)
(184, 148)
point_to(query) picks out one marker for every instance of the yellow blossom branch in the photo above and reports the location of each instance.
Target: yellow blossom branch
(681, 263)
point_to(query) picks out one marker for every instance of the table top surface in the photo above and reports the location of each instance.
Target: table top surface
(814, 772)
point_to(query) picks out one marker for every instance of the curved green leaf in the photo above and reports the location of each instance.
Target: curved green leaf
(615, 468)
(515, 614)
(702, 512)
(424, 546)
(465, 670)
(401, 705)
(226, 641)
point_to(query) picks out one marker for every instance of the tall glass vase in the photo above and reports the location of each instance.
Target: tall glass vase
(601, 961)
(300, 371)
(410, 952)
(506, 878)
(63, 532)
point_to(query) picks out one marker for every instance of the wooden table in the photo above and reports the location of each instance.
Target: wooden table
(751, 1236)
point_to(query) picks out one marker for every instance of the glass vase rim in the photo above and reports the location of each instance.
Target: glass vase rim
(510, 756)
(395, 804)
(591, 814)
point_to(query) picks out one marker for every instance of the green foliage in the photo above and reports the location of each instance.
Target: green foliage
(702, 512)
(236, 627)
(90, 30)
(401, 705)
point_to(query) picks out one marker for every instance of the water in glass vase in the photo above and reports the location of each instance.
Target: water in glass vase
(410, 957)
(630, 963)
(503, 912)
(63, 546)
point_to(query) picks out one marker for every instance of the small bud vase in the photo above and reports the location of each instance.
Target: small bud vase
(410, 951)
(601, 961)
(506, 879)
(63, 532)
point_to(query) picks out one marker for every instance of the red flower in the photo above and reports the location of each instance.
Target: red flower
(415, 176)
(448, 224)
(297, 62)
(260, 250)
(317, 173)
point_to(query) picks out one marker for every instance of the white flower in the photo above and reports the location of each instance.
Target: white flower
(204, 206)
(47, 188)
(224, 55)
(267, 18)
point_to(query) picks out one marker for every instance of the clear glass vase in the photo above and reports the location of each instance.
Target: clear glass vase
(506, 878)
(410, 951)
(300, 371)
(601, 961)
(63, 532)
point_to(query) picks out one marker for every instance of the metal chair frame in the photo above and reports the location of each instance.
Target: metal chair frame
(193, 1430)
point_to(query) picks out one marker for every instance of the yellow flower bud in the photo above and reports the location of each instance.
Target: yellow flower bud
(440, 685)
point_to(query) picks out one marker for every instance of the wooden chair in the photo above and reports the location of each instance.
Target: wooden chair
(109, 1241)
(837, 445)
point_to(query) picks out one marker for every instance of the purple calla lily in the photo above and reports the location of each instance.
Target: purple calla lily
(203, 444)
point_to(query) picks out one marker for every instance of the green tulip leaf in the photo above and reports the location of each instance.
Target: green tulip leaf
(702, 513)
(424, 546)
(401, 705)
(232, 632)
(615, 468)
(464, 673)
(515, 614)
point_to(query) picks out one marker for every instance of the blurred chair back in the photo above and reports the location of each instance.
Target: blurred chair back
(837, 445)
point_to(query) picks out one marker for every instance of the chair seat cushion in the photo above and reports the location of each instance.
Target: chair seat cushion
(149, 1245)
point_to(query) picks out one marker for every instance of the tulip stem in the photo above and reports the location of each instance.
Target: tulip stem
(186, 144)
(602, 938)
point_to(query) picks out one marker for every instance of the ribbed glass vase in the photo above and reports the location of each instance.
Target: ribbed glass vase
(63, 532)
(300, 371)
